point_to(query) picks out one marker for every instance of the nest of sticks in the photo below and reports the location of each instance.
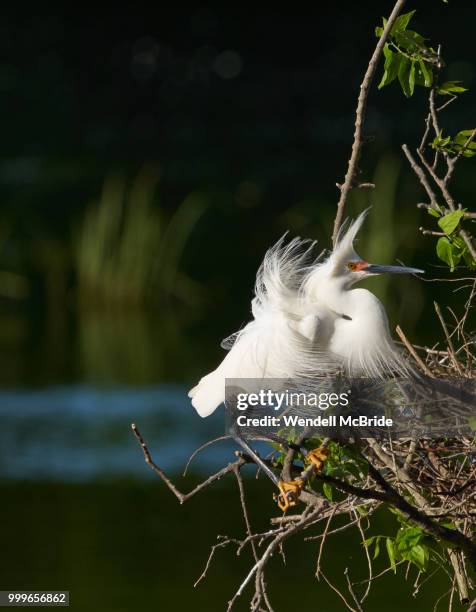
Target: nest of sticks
(430, 484)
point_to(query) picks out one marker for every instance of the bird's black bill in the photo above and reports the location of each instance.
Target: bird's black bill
(376, 269)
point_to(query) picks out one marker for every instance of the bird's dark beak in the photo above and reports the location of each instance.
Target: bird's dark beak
(377, 269)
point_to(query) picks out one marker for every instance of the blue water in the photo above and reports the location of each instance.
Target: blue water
(81, 433)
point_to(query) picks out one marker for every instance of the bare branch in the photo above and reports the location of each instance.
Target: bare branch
(183, 497)
(422, 177)
(451, 349)
(413, 353)
(359, 118)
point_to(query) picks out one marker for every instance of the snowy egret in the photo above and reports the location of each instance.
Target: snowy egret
(307, 316)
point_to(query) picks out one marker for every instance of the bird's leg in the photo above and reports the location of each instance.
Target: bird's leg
(317, 457)
(289, 492)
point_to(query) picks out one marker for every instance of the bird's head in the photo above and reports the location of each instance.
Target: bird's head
(347, 265)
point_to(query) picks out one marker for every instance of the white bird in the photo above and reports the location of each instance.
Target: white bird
(307, 318)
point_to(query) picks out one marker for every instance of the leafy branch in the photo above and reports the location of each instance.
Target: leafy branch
(407, 57)
(412, 62)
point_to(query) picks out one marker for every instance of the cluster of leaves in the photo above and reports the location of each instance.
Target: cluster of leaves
(461, 144)
(412, 62)
(407, 57)
(343, 463)
(451, 248)
(409, 544)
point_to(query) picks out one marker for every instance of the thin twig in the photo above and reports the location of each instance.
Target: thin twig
(451, 349)
(413, 353)
(336, 590)
(200, 449)
(422, 178)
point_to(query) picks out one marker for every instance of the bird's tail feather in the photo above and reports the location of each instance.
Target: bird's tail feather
(207, 395)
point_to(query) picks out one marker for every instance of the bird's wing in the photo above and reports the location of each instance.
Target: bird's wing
(270, 345)
(278, 282)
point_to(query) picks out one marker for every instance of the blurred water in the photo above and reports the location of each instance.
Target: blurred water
(86, 514)
(80, 432)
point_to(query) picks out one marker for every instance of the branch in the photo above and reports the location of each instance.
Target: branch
(359, 119)
(183, 497)
(391, 497)
(258, 567)
(422, 177)
(412, 352)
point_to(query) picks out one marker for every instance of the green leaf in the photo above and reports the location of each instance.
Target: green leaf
(442, 143)
(391, 66)
(377, 548)
(411, 41)
(462, 143)
(402, 22)
(404, 76)
(472, 423)
(426, 72)
(391, 553)
(419, 555)
(461, 251)
(458, 243)
(450, 222)
(448, 525)
(445, 251)
(464, 134)
(465, 139)
(450, 87)
(468, 258)
(433, 212)
(368, 541)
(327, 489)
(407, 537)
(379, 30)
(411, 78)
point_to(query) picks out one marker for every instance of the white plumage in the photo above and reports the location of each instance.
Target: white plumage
(308, 319)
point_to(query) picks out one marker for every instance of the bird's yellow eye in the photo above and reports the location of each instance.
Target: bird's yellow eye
(356, 266)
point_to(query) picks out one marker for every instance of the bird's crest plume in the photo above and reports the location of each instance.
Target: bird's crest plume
(344, 248)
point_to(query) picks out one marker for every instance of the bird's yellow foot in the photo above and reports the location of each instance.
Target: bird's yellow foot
(289, 493)
(317, 457)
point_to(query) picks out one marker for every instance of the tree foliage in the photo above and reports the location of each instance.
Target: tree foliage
(409, 60)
